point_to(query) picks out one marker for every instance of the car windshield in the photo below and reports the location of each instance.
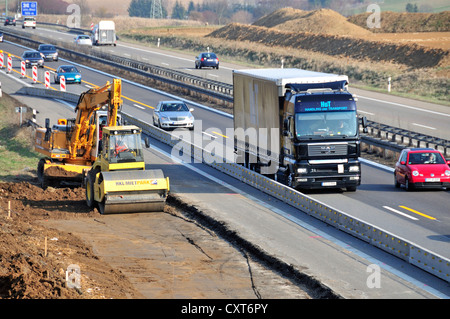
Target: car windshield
(32, 55)
(69, 69)
(125, 148)
(174, 107)
(425, 158)
(48, 48)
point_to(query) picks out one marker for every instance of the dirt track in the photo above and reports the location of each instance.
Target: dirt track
(157, 255)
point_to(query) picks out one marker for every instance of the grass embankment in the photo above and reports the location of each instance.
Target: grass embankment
(17, 156)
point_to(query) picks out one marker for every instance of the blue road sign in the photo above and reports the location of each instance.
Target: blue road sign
(29, 8)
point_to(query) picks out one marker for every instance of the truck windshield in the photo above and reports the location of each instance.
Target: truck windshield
(125, 148)
(326, 124)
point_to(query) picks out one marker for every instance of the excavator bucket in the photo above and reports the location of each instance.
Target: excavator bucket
(132, 191)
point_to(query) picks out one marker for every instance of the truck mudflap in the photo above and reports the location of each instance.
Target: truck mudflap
(132, 191)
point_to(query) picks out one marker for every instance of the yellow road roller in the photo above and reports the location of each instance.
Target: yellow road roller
(118, 181)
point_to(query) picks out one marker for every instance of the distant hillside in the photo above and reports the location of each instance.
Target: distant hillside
(395, 22)
(324, 21)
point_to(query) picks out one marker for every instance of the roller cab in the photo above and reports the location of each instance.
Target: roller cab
(118, 181)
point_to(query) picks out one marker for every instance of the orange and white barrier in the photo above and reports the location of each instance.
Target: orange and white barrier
(35, 74)
(1, 60)
(23, 69)
(62, 83)
(9, 66)
(47, 79)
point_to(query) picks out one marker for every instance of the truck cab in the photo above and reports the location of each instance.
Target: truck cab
(321, 142)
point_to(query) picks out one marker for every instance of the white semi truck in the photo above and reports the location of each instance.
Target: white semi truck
(306, 127)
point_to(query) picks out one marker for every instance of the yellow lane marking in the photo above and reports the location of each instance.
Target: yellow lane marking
(220, 134)
(418, 213)
(31, 78)
(127, 98)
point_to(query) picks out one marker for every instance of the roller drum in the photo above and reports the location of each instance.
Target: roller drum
(134, 191)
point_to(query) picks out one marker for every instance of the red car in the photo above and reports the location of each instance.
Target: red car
(422, 167)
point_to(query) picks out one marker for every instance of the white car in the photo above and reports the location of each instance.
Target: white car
(173, 114)
(29, 22)
(83, 39)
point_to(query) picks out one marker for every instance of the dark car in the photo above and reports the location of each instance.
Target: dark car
(33, 58)
(10, 21)
(422, 167)
(70, 73)
(207, 59)
(49, 52)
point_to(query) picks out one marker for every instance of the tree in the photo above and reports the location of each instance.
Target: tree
(178, 12)
(411, 7)
(139, 8)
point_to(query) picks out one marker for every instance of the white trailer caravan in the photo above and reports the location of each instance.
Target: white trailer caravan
(104, 33)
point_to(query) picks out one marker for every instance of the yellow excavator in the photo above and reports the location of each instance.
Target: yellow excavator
(103, 156)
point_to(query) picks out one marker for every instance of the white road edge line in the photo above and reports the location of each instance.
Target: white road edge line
(405, 106)
(400, 213)
(429, 127)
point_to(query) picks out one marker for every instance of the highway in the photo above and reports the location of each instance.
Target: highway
(418, 116)
(376, 201)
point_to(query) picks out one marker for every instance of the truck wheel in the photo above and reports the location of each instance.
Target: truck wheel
(289, 179)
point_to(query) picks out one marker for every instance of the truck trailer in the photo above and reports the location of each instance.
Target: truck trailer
(104, 33)
(299, 127)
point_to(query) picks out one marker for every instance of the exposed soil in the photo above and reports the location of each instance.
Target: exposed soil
(154, 255)
(409, 54)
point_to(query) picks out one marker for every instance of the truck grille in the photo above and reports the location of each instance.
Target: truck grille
(327, 149)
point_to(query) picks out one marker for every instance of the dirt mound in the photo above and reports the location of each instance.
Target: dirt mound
(400, 22)
(408, 54)
(323, 21)
(26, 270)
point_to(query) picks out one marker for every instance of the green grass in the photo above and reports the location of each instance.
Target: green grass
(17, 156)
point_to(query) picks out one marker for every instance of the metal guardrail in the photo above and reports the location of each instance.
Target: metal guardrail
(404, 249)
(381, 135)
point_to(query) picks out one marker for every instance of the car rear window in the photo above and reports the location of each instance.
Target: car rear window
(209, 55)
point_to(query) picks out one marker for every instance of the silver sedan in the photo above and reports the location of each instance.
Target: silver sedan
(173, 114)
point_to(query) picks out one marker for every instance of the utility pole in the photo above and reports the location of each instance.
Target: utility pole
(156, 9)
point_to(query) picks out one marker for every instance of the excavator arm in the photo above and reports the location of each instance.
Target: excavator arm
(82, 137)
